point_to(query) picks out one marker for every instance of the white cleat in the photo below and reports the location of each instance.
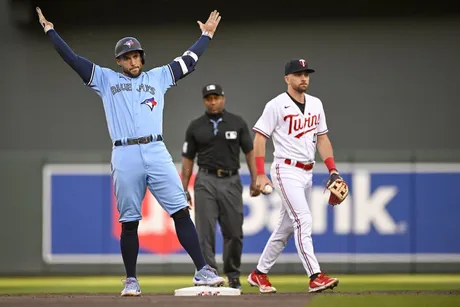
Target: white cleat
(207, 276)
(132, 287)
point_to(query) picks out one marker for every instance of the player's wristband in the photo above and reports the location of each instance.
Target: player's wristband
(330, 164)
(260, 165)
(208, 34)
(47, 28)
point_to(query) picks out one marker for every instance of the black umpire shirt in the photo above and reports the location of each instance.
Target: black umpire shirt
(220, 150)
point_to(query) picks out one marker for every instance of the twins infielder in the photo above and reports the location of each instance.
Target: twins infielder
(133, 102)
(297, 125)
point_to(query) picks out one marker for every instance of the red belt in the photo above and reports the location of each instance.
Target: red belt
(306, 167)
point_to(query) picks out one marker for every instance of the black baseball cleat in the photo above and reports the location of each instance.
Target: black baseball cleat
(235, 283)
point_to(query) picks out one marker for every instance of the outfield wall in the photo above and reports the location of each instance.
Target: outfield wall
(399, 217)
(397, 213)
(371, 74)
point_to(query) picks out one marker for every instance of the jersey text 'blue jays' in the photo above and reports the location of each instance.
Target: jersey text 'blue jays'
(132, 113)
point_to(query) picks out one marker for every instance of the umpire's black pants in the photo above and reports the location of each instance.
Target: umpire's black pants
(220, 199)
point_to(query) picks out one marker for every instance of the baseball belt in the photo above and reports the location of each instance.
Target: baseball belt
(219, 172)
(303, 166)
(141, 140)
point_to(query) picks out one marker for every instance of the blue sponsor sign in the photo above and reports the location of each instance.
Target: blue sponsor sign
(394, 212)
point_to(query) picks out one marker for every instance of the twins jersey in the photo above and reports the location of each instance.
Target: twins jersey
(133, 106)
(294, 134)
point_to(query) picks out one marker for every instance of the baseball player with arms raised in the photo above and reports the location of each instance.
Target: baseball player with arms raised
(297, 125)
(133, 101)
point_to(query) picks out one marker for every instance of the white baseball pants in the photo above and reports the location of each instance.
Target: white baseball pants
(294, 186)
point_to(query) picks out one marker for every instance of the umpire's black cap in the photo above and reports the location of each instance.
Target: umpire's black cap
(215, 89)
(297, 65)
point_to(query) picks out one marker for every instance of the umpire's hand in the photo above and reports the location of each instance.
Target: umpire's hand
(189, 198)
(254, 190)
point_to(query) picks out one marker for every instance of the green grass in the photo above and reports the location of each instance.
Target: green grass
(167, 284)
(386, 301)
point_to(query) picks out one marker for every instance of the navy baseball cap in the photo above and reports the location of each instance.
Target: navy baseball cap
(297, 65)
(215, 89)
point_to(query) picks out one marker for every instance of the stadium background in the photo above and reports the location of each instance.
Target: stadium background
(387, 74)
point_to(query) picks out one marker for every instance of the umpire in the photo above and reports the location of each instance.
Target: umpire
(216, 138)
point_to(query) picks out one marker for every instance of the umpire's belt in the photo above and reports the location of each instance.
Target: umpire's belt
(141, 140)
(303, 166)
(219, 172)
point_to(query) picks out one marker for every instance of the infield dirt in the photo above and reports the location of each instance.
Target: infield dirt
(150, 300)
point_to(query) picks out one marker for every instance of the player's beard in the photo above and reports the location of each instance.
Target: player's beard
(131, 75)
(301, 88)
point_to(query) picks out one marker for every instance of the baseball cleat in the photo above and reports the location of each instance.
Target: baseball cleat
(261, 281)
(207, 276)
(235, 283)
(132, 287)
(323, 282)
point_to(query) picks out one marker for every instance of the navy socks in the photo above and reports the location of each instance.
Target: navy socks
(188, 237)
(129, 244)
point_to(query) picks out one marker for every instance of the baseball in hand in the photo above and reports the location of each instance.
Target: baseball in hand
(267, 189)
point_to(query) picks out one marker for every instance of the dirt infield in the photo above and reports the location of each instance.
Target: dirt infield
(253, 300)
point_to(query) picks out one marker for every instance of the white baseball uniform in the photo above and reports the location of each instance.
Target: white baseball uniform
(294, 137)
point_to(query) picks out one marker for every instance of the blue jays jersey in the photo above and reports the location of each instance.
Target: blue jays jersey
(133, 106)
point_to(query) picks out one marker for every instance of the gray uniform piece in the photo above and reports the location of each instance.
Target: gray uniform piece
(220, 200)
(216, 141)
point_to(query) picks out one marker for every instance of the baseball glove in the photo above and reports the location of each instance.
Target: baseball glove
(338, 188)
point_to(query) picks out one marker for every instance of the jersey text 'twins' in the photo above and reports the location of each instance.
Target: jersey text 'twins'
(297, 124)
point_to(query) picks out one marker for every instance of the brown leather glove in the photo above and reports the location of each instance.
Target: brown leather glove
(338, 189)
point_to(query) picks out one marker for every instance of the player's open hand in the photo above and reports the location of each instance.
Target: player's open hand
(211, 24)
(43, 22)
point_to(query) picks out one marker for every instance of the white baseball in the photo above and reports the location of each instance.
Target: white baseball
(268, 189)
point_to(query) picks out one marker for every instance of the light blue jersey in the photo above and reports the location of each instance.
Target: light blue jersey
(140, 160)
(134, 109)
(133, 106)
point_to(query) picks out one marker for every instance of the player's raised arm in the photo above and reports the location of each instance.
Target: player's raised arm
(79, 64)
(185, 64)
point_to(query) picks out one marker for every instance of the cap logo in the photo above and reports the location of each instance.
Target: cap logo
(210, 87)
(303, 63)
(129, 43)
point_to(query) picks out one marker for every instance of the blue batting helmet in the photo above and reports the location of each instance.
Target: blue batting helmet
(128, 44)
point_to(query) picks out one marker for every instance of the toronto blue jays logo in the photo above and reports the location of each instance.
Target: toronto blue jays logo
(150, 102)
(129, 43)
